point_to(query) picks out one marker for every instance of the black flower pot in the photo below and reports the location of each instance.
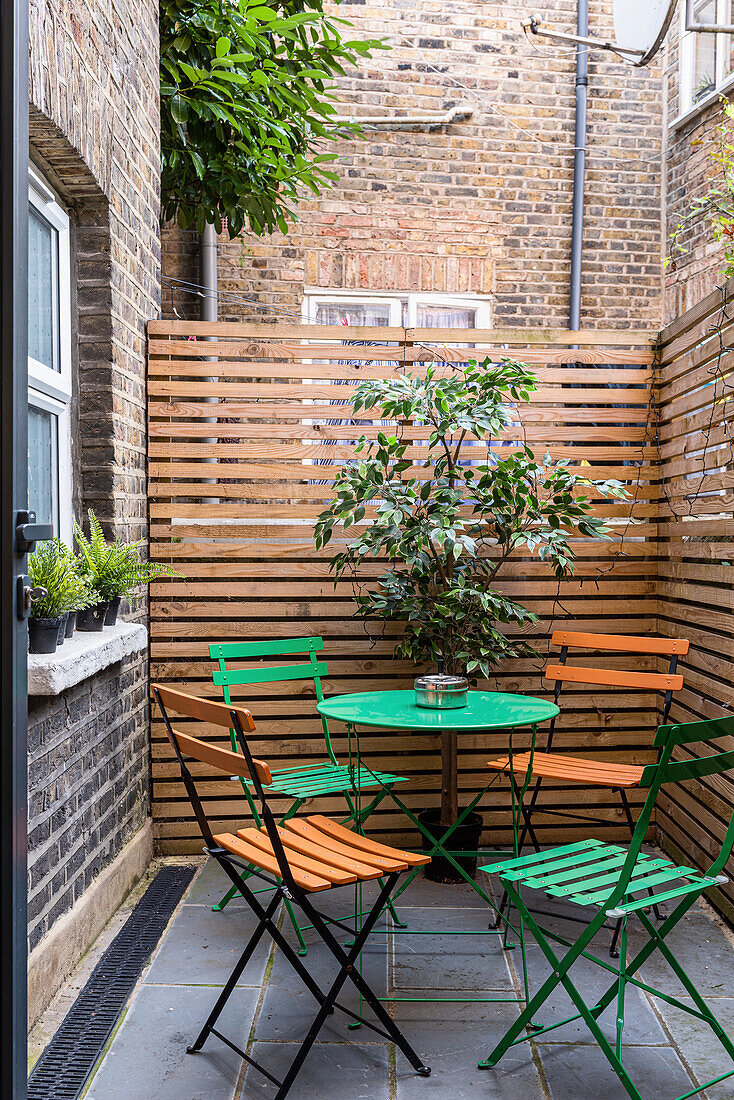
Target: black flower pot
(63, 619)
(92, 618)
(43, 635)
(113, 607)
(463, 839)
(70, 624)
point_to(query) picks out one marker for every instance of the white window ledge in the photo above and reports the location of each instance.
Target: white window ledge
(82, 655)
(703, 105)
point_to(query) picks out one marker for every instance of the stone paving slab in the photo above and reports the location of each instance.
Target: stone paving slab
(332, 1071)
(452, 1038)
(210, 885)
(702, 1049)
(202, 947)
(147, 1058)
(148, 1061)
(576, 1071)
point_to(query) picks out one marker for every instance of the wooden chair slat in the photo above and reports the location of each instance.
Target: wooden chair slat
(292, 841)
(364, 844)
(620, 643)
(610, 677)
(307, 830)
(258, 858)
(572, 769)
(232, 763)
(311, 864)
(206, 710)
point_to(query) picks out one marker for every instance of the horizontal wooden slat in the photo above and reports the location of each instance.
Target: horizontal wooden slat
(251, 569)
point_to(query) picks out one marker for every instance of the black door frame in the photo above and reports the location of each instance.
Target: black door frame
(13, 498)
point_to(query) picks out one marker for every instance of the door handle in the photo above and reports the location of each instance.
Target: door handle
(26, 594)
(28, 532)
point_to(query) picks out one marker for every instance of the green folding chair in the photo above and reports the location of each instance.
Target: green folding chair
(609, 878)
(299, 783)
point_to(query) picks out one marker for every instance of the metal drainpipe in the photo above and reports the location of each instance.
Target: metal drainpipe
(208, 310)
(579, 166)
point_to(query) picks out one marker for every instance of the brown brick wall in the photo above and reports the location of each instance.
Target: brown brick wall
(95, 135)
(689, 173)
(477, 205)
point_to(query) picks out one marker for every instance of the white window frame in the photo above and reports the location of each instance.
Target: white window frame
(50, 389)
(316, 296)
(722, 77)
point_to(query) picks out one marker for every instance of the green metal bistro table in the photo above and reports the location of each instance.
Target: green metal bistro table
(485, 710)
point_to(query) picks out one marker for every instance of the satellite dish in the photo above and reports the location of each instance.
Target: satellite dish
(642, 25)
(639, 29)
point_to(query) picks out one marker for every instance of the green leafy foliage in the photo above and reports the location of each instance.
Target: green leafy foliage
(52, 566)
(246, 106)
(450, 525)
(115, 568)
(715, 208)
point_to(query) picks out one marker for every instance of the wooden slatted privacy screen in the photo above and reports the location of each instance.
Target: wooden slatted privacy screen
(696, 568)
(247, 431)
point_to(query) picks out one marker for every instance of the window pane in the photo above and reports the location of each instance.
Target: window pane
(432, 316)
(43, 477)
(351, 313)
(43, 291)
(703, 53)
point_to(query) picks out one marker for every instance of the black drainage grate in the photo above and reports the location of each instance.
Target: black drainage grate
(62, 1070)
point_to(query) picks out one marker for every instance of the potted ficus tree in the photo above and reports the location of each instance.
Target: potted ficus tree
(114, 570)
(450, 523)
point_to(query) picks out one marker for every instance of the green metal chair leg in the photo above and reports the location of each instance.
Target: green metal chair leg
(302, 949)
(359, 817)
(219, 905)
(233, 891)
(560, 977)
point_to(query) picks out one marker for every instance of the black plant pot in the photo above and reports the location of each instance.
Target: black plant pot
(43, 635)
(91, 618)
(62, 627)
(465, 838)
(70, 624)
(113, 607)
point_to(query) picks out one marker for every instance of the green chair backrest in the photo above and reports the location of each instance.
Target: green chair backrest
(312, 669)
(667, 770)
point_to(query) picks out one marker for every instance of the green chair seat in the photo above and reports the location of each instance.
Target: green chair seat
(611, 878)
(587, 873)
(326, 778)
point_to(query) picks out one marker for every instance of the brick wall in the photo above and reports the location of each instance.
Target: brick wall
(482, 205)
(95, 135)
(689, 174)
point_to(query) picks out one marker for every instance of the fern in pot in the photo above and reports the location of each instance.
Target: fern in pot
(453, 520)
(114, 569)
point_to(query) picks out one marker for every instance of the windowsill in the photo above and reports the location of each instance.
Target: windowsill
(699, 108)
(81, 656)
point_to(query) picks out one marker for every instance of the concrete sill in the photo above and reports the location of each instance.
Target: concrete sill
(81, 656)
(698, 108)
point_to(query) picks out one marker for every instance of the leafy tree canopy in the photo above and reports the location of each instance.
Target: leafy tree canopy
(247, 108)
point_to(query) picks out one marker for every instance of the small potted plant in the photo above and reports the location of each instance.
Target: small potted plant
(114, 569)
(87, 596)
(450, 525)
(52, 574)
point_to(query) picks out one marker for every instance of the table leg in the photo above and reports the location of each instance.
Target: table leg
(449, 777)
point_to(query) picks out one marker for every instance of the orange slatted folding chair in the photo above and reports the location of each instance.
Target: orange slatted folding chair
(301, 858)
(561, 766)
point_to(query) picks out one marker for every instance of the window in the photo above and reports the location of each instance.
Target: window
(705, 58)
(49, 359)
(409, 310)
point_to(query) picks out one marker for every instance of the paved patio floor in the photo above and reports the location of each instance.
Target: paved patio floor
(668, 1053)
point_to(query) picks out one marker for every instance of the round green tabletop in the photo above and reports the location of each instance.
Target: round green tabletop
(485, 710)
